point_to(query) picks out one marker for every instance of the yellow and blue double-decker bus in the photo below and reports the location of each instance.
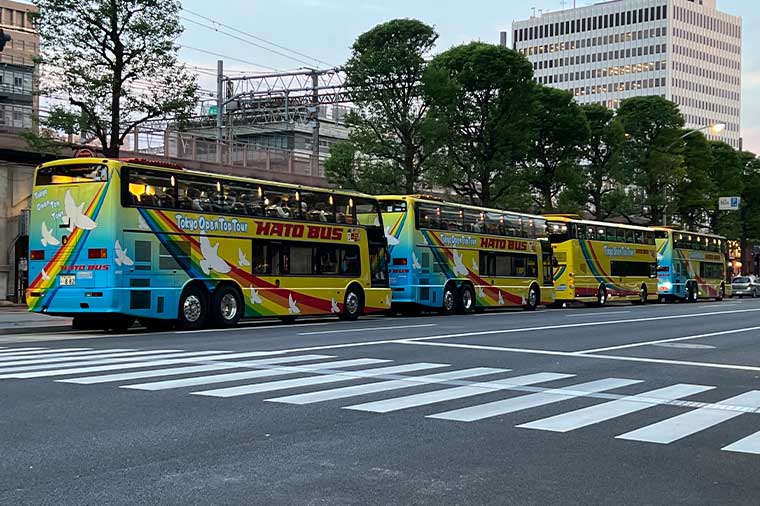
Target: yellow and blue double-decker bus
(114, 241)
(690, 265)
(459, 258)
(597, 262)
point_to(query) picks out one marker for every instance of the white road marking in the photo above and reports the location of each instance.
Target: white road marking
(100, 354)
(684, 425)
(238, 376)
(366, 329)
(13, 351)
(602, 412)
(384, 386)
(44, 370)
(516, 312)
(750, 444)
(251, 327)
(686, 346)
(672, 340)
(573, 354)
(73, 355)
(604, 313)
(173, 371)
(317, 380)
(523, 402)
(422, 399)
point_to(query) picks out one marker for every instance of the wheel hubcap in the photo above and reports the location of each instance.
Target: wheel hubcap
(448, 300)
(467, 299)
(352, 303)
(533, 298)
(229, 307)
(191, 308)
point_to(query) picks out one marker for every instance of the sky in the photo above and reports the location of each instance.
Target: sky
(325, 30)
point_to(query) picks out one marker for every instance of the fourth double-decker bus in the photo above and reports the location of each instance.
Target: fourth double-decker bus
(690, 265)
(459, 258)
(597, 262)
(113, 241)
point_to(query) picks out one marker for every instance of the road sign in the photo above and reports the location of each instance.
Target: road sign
(729, 203)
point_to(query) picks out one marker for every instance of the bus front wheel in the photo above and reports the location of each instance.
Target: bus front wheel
(466, 302)
(533, 300)
(643, 296)
(449, 299)
(353, 304)
(601, 296)
(193, 309)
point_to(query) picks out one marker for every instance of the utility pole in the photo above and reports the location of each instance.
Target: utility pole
(219, 109)
(315, 132)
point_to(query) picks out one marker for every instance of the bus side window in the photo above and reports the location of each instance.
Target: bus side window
(345, 210)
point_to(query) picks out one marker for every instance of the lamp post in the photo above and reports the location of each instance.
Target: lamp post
(715, 129)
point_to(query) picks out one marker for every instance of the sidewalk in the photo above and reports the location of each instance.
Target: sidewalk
(16, 319)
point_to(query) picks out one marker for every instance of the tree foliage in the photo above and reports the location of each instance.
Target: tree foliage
(653, 153)
(727, 175)
(100, 53)
(604, 174)
(481, 98)
(552, 166)
(384, 75)
(693, 192)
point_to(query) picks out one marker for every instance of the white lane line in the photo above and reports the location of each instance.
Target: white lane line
(174, 371)
(317, 380)
(41, 351)
(604, 313)
(74, 355)
(100, 354)
(15, 350)
(511, 314)
(45, 370)
(238, 376)
(684, 425)
(670, 340)
(514, 404)
(384, 386)
(749, 444)
(248, 327)
(367, 329)
(572, 354)
(422, 399)
(602, 412)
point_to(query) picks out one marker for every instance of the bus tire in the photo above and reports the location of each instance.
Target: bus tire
(192, 312)
(466, 299)
(722, 293)
(533, 299)
(691, 293)
(601, 296)
(227, 306)
(353, 304)
(449, 302)
(643, 295)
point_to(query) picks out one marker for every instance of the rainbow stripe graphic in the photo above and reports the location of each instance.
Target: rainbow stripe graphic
(598, 272)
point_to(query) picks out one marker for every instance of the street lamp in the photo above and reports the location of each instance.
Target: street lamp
(715, 129)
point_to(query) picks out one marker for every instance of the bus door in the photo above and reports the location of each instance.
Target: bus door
(378, 257)
(547, 263)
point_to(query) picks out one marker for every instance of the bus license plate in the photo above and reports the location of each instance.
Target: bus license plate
(68, 280)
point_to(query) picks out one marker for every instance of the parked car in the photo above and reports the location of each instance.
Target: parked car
(745, 286)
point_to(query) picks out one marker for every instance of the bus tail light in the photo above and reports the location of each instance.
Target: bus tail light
(96, 253)
(400, 261)
(37, 254)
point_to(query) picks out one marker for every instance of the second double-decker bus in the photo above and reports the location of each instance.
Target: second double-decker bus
(459, 258)
(113, 241)
(690, 265)
(597, 262)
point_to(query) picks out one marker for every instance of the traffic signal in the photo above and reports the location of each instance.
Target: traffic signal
(4, 37)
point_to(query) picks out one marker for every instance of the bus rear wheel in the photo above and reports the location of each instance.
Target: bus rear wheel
(643, 295)
(449, 300)
(353, 304)
(466, 302)
(691, 293)
(193, 309)
(601, 296)
(534, 298)
(226, 306)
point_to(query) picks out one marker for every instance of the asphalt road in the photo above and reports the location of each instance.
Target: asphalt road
(625, 405)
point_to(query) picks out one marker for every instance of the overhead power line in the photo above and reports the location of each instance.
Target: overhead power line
(247, 62)
(311, 59)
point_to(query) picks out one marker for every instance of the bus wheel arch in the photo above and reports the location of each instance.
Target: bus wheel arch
(227, 304)
(466, 301)
(353, 302)
(193, 306)
(449, 299)
(534, 297)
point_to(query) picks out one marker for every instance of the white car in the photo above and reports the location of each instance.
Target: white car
(745, 286)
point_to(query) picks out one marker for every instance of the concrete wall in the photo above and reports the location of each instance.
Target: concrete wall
(15, 197)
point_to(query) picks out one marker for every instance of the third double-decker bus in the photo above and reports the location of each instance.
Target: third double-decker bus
(690, 265)
(597, 262)
(117, 240)
(459, 258)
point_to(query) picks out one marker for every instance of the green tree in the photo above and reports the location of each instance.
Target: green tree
(481, 98)
(560, 129)
(727, 175)
(603, 170)
(383, 76)
(653, 153)
(347, 168)
(694, 191)
(749, 213)
(99, 55)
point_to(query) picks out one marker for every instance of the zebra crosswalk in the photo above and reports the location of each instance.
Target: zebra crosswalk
(356, 383)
